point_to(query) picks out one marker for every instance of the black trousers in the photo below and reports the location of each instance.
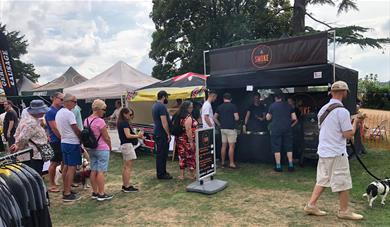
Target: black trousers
(35, 164)
(162, 148)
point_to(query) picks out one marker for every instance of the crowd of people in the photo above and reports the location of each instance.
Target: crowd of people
(61, 126)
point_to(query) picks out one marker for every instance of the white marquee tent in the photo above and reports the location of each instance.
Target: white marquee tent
(112, 83)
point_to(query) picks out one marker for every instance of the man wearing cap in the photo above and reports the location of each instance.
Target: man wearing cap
(162, 136)
(333, 166)
(29, 133)
(70, 145)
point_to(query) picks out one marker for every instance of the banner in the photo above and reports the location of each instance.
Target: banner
(205, 153)
(296, 51)
(6, 73)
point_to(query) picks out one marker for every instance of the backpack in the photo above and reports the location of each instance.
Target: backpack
(176, 128)
(88, 139)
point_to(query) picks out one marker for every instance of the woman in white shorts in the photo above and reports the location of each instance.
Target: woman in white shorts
(128, 140)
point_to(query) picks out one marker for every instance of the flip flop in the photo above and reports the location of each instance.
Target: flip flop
(54, 190)
(233, 167)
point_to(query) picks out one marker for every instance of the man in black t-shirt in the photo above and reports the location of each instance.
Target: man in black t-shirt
(10, 122)
(226, 118)
(283, 117)
(255, 115)
(162, 136)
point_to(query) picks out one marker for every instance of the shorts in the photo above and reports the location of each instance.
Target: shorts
(282, 140)
(57, 152)
(71, 154)
(99, 160)
(229, 135)
(128, 151)
(334, 172)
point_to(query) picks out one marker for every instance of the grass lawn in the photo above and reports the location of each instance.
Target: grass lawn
(256, 196)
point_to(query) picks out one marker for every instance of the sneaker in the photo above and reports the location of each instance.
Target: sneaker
(291, 169)
(94, 195)
(278, 169)
(104, 197)
(71, 192)
(129, 189)
(71, 197)
(349, 215)
(314, 211)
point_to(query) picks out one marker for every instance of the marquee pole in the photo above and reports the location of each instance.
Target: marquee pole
(204, 61)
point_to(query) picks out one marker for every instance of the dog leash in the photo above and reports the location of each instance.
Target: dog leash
(361, 162)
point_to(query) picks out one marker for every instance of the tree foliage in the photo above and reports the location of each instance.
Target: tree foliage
(184, 29)
(344, 35)
(373, 93)
(18, 47)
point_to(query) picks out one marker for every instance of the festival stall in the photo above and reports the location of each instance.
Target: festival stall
(110, 85)
(186, 86)
(70, 78)
(295, 66)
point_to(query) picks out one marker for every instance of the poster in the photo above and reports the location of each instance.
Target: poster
(205, 153)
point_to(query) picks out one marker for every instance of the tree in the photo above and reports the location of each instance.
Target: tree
(373, 93)
(185, 28)
(344, 35)
(18, 47)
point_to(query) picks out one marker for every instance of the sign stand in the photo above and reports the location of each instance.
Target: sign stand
(206, 166)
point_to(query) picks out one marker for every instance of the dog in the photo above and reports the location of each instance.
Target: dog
(82, 174)
(376, 188)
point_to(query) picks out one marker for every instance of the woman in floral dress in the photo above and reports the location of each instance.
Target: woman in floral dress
(185, 143)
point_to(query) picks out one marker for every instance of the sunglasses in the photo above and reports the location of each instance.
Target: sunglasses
(60, 99)
(104, 109)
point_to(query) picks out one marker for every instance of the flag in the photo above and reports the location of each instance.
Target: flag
(7, 78)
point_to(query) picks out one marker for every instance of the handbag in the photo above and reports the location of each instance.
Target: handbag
(47, 152)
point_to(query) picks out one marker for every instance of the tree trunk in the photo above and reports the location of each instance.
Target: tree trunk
(298, 19)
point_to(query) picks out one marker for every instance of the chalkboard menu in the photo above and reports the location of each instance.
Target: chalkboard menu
(205, 153)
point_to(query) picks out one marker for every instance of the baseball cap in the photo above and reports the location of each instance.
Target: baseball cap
(161, 94)
(339, 86)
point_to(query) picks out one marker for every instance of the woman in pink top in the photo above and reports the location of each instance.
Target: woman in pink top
(99, 156)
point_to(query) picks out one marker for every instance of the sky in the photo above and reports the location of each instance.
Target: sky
(93, 35)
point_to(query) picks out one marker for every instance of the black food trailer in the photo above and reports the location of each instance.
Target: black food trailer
(295, 66)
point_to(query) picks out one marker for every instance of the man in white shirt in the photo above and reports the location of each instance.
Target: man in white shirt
(207, 110)
(70, 145)
(333, 165)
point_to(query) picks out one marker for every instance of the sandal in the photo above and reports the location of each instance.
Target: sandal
(54, 190)
(180, 178)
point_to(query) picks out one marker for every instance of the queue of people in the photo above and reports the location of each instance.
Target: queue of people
(64, 134)
(61, 127)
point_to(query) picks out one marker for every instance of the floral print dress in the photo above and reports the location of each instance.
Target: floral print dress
(184, 151)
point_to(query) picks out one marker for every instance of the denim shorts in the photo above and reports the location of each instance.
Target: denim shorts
(71, 154)
(99, 160)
